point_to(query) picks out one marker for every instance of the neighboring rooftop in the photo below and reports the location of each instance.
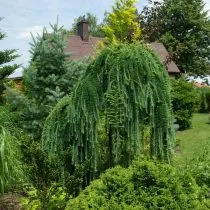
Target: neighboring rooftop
(82, 45)
(161, 51)
(199, 85)
(79, 48)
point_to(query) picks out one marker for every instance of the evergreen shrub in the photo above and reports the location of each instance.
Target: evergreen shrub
(144, 185)
(205, 100)
(185, 101)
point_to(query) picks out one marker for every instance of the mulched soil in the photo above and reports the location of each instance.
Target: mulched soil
(10, 201)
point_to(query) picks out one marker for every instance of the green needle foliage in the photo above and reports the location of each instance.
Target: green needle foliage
(6, 69)
(11, 170)
(49, 77)
(125, 88)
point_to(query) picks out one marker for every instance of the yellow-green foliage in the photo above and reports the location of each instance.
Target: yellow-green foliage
(122, 24)
(145, 185)
(55, 199)
(126, 87)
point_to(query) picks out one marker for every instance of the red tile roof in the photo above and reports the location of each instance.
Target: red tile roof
(79, 49)
(161, 51)
(199, 85)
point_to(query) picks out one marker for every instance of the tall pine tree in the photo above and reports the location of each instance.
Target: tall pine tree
(6, 69)
(49, 77)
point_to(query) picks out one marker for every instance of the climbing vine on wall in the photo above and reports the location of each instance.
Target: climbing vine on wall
(125, 88)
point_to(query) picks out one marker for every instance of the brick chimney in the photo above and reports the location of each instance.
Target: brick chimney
(83, 31)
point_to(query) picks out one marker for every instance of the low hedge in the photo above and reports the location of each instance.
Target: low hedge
(144, 185)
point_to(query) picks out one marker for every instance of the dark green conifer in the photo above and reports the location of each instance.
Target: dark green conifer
(125, 88)
(49, 78)
(6, 69)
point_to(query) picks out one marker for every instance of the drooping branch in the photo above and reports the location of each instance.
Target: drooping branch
(127, 86)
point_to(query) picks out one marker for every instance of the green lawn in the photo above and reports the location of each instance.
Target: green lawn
(193, 141)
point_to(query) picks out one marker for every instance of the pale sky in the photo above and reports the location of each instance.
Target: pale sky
(24, 16)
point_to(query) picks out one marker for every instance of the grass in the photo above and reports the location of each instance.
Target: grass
(193, 141)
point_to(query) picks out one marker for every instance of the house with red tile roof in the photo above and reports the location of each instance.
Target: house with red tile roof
(200, 85)
(83, 45)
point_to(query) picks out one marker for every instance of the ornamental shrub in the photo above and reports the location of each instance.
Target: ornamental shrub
(205, 100)
(124, 89)
(185, 101)
(144, 185)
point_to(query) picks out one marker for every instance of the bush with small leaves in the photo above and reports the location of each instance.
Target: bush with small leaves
(205, 100)
(144, 185)
(185, 101)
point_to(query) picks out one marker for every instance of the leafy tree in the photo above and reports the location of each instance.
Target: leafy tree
(184, 28)
(118, 93)
(95, 29)
(6, 69)
(122, 24)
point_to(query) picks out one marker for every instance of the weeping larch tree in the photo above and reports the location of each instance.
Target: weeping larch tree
(124, 89)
